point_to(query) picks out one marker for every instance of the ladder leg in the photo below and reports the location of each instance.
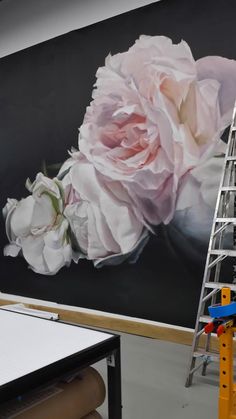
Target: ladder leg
(192, 361)
(213, 301)
(189, 379)
(205, 363)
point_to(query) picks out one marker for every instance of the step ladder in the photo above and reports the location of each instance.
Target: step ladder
(224, 221)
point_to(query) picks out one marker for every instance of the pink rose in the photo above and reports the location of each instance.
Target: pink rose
(150, 122)
(101, 214)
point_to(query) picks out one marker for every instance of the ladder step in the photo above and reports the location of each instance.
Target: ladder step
(226, 220)
(231, 158)
(223, 252)
(205, 319)
(214, 356)
(203, 353)
(228, 188)
(220, 285)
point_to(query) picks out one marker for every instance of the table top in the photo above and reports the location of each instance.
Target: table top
(29, 343)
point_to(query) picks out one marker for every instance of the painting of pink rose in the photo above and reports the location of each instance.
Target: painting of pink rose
(153, 118)
(147, 148)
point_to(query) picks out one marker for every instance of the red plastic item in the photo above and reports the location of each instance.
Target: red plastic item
(220, 330)
(209, 327)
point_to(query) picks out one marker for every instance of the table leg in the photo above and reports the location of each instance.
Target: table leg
(114, 385)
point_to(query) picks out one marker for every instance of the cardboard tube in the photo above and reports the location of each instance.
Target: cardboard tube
(92, 415)
(76, 400)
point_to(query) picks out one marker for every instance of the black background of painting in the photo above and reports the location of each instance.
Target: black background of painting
(44, 91)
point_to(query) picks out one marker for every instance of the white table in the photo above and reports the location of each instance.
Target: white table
(34, 351)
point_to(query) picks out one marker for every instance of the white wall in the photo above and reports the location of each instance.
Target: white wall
(28, 22)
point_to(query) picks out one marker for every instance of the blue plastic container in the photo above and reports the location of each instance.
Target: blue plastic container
(218, 310)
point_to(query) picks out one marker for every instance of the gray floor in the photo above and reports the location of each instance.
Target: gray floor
(153, 376)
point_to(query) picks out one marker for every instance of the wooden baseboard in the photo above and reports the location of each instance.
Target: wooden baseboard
(169, 334)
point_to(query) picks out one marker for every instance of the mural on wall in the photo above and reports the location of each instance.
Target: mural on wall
(149, 153)
(120, 224)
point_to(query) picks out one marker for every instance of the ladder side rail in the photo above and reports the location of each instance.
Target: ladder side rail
(234, 227)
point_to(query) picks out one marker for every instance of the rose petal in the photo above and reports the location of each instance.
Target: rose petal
(22, 217)
(11, 250)
(224, 71)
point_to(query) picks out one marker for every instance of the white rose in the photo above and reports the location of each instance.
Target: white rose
(37, 227)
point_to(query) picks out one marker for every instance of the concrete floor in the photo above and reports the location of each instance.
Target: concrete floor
(153, 377)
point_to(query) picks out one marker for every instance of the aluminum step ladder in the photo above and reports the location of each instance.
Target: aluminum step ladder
(223, 230)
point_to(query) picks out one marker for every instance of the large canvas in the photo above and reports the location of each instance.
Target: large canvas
(121, 223)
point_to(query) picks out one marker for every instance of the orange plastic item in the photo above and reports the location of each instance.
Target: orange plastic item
(222, 328)
(227, 392)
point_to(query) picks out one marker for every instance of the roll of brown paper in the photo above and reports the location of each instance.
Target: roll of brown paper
(75, 400)
(92, 415)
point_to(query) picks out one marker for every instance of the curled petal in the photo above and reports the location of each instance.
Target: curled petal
(11, 250)
(197, 199)
(21, 218)
(7, 213)
(224, 71)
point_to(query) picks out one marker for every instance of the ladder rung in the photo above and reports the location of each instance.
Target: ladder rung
(205, 319)
(214, 356)
(219, 285)
(228, 188)
(231, 158)
(224, 252)
(226, 220)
